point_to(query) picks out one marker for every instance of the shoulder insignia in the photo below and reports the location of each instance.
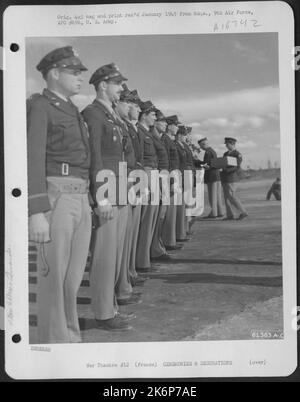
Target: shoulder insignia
(32, 99)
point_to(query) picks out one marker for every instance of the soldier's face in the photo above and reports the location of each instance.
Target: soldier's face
(113, 90)
(69, 81)
(203, 144)
(150, 118)
(161, 126)
(123, 109)
(230, 146)
(134, 111)
(173, 129)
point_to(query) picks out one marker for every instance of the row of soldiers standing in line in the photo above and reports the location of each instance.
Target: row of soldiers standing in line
(66, 150)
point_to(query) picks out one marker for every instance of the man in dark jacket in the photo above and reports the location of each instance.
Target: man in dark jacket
(149, 212)
(131, 121)
(169, 225)
(275, 190)
(158, 250)
(230, 178)
(212, 179)
(181, 218)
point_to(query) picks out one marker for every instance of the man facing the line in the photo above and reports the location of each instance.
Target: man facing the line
(212, 179)
(230, 178)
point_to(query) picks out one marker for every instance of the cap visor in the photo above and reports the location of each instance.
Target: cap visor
(118, 78)
(77, 67)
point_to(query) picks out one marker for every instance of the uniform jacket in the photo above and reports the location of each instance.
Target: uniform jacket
(182, 156)
(212, 175)
(132, 131)
(161, 151)
(57, 142)
(129, 153)
(106, 142)
(190, 158)
(174, 162)
(231, 173)
(149, 156)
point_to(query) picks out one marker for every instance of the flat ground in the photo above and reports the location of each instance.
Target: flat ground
(226, 282)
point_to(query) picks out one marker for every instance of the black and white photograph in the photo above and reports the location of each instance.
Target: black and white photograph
(157, 275)
(159, 204)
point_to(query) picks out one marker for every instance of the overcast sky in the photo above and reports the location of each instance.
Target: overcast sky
(221, 84)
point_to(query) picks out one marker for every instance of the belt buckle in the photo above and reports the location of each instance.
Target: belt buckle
(65, 169)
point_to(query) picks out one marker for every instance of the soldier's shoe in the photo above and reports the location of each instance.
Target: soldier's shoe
(113, 324)
(145, 270)
(220, 216)
(135, 293)
(242, 216)
(183, 240)
(138, 281)
(228, 218)
(125, 316)
(163, 257)
(133, 299)
(176, 247)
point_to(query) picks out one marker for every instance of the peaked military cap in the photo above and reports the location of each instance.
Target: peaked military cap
(202, 139)
(125, 94)
(188, 129)
(182, 130)
(65, 57)
(172, 120)
(231, 140)
(159, 115)
(105, 73)
(134, 97)
(147, 107)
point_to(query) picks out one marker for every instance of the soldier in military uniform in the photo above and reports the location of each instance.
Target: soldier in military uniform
(212, 180)
(134, 100)
(230, 178)
(189, 178)
(181, 218)
(169, 224)
(124, 291)
(158, 250)
(107, 150)
(58, 182)
(150, 162)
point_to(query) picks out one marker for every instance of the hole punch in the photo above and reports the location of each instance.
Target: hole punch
(14, 47)
(16, 192)
(16, 338)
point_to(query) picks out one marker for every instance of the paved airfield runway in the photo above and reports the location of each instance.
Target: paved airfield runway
(226, 282)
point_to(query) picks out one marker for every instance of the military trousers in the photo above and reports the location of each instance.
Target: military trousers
(215, 198)
(106, 262)
(62, 261)
(136, 218)
(157, 245)
(149, 215)
(276, 193)
(169, 225)
(123, 286)
(231, 199)
(181, 221)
